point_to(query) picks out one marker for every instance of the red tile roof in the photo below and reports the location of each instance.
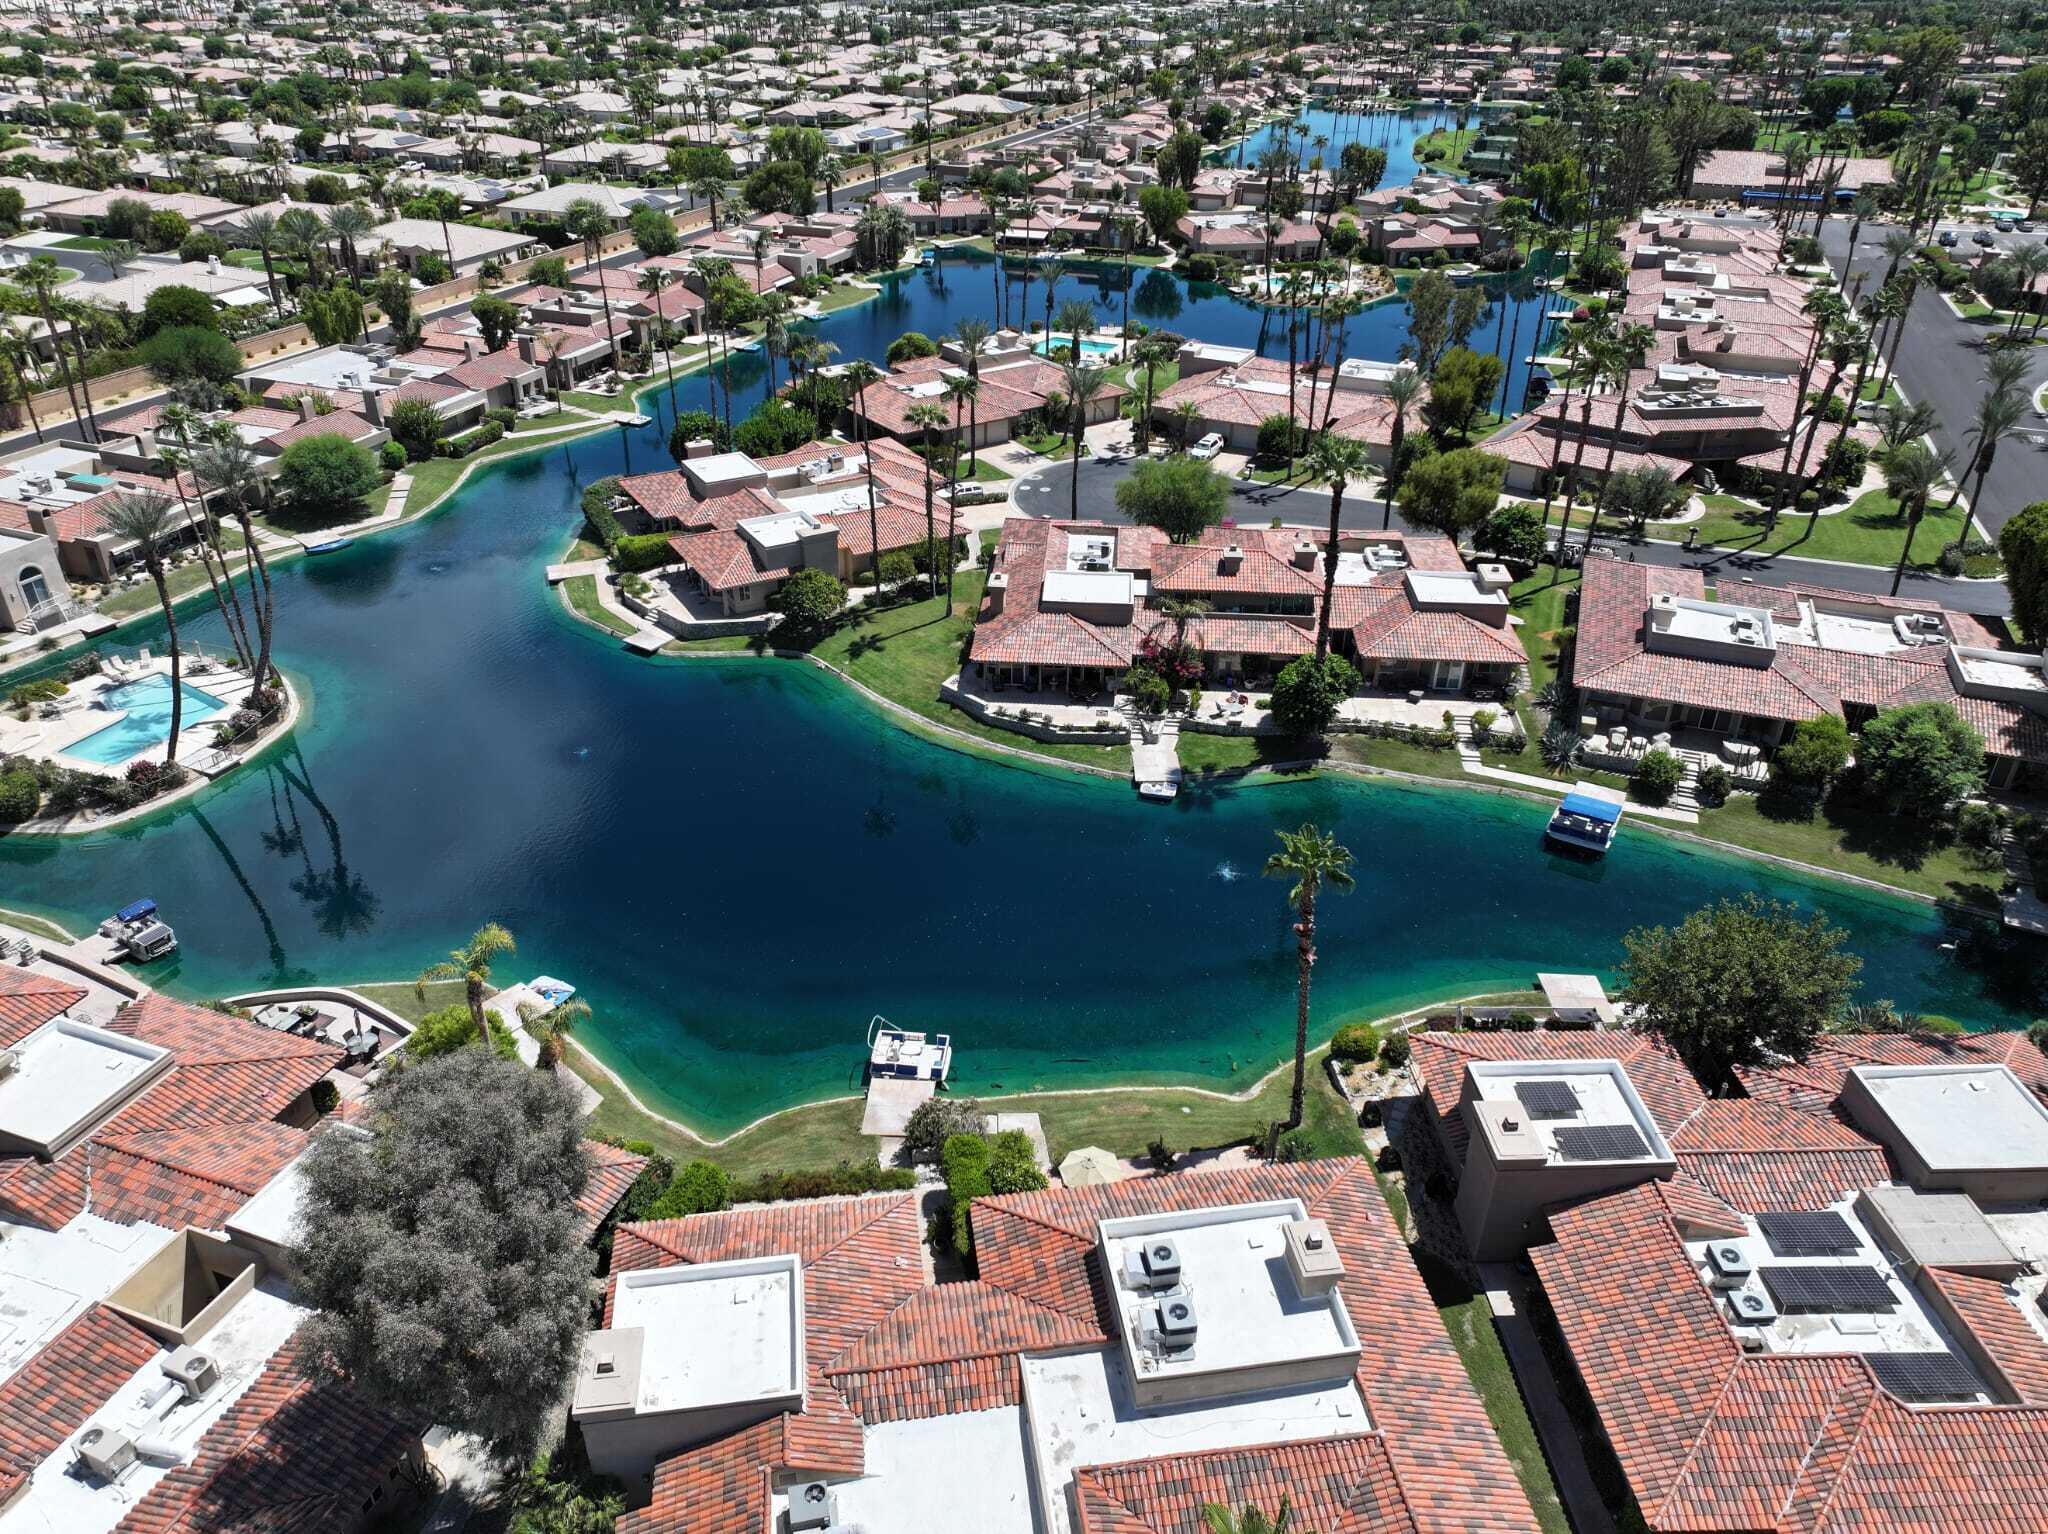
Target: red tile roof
(56, 1392)
(1343, 1486)
(29, 1000)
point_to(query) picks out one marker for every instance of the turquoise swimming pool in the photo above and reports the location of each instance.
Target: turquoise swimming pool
(147, 723)
(1045, 346)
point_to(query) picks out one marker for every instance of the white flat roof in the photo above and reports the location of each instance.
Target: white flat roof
(1604, 1095)
(70, 1075)
(1080, 1412)
(328, 368)
(716, 1333)
(777, 530)
(715, 468)
(1087, 588)
(1962, 1117)
(964, 1470)
(49, 1277)
(841, 501)
(241, 1345)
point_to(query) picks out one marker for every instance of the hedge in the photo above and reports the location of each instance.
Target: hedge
(641, 551)
(468, 442)
(965, 1161)
(597, 511)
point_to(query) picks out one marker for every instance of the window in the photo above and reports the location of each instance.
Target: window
(35, 590)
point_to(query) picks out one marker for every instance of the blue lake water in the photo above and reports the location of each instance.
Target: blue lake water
(739, 863)
(147, 723)
(1395, 132)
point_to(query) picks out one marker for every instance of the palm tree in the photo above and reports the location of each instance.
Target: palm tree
(1084, 384)
(928, 418)
(1998, 412)
(831, 171)
(1334, 461)
(260, 230)
(1617, 358)
(144, 518)
(652, 280)
(300, 233)
(41, 276)
(860, 375)
(1848, 342)
(586, 221)
(1403, 387)
(1187, 415)
(971, 334)
(179, 419)
(1912, 473)
(1076, 316)
(14, 354)
(349, 222)
(227, 465)
(1311, 857)
(471, 964)
(1050, 270)
(552, 1028)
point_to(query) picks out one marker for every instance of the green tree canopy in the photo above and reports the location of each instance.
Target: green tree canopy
(810, 601)
(780, 186)
(191, 351)
(176, 305)
(1920, 760)
(325, 477)
(1737, 983)
(1180, 496)
(1452, 493)
(2023, 544)
(1307, 693)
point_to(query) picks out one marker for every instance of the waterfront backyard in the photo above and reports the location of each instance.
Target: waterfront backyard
(740, 862)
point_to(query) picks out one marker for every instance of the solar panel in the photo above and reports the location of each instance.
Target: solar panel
(1847, 1290)
(1822, 1233)
(1926, 1376)
(1600, 1142)
(1548, 1099)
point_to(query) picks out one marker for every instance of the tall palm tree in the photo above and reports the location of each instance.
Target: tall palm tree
(471, 964)
(14, 355)
(260, 230)
(40, 276)
(179, 419)
(1998, 412)
(1050, 270)
(652, 281)
(1333, 461)
(1084, 384)
(972, 333)
(1312, 858)
(860, 375)
(587, 222)
(301, 234)
(928, 418)
(227, 465)
(1848, 342)
(144, 518)
(1912, 473)
(1404, 386)
(350, 222)
(1186, 416)
(1618, 358)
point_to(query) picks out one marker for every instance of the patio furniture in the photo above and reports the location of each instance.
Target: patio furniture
(1663, 738)
(1638, 743)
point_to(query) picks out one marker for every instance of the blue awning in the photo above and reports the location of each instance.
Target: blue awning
(1592, 809)
(137, 911)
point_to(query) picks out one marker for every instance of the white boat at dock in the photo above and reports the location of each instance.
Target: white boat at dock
(898, 1054)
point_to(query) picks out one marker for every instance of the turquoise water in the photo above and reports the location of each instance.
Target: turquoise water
(148, 722)
(738, 863)
(1089, 348)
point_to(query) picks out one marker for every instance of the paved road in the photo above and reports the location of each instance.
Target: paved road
(1048, 492)
(1941, 361)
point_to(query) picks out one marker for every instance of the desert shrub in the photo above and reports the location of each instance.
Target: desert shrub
(935, 1121)
(642, 551)
(1394, 1050)
(1657, 776)
(1355, 1043)
(1013, 1163)
(1714, 786)
(699, 1188)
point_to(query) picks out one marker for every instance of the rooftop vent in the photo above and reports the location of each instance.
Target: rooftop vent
(1155, 1265)
(811, 1506)
(106, 1451)
(1177, 1323)
(1312, 1257)
(10, 1062)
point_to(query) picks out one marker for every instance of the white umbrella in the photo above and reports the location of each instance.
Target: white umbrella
(1090, 1167)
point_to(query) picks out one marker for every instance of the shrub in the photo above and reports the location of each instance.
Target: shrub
(2037, 1034)
(1149, 691)
(896, 567)
(190, 351)
(42, 690)
(1714, 786)
(1355, 1043)
(1295, 1145)
(774, 428)
(1160, 1154)
(326, 475)
(1279, 438)
(20, 796)
(392, 456)
(1814, 756)
(909, 346)
(964, 1161)
(597, 511)
(936, 1120)
(176, 306)
(416, 426)
(1394, 1050)
(1657, 776)
(326, 1096)
(1559, 745)
(1920, 759)
(809, 602)
(702, 1187)
(1306, 694)
(452, 1028)
(1013, 1163)
(642, 551)
(842, 1181)
(1483, 721)
(468, 442)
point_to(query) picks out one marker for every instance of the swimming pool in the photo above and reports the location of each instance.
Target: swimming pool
(148, 721)
(1045, 346)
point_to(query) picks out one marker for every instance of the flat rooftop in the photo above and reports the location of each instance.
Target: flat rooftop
(1087, 588)
(712, 1334)
(67, 1079)
(1081, 1411)
(1575, 1111)
(721, 468)
(49, 1277)
(324, 369)
(1961, 1117)
(780, 530)
(964, 1471)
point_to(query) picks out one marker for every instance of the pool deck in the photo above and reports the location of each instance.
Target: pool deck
(53, 730)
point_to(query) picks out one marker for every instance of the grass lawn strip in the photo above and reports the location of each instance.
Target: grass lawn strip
(581, 593)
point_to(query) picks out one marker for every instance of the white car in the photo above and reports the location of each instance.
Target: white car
(1208, 447)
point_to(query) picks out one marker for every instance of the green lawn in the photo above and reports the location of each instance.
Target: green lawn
(905, 652)
(401, 998)
(1854, 840)
(1228, 753)
(1444, 150)
(844, 295)
(36, 925)
(1868, 531)
(721, 644)
(582, 593)
(186, 579)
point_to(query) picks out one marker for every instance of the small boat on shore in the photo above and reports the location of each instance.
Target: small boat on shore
(1586, 820)
(331, 546)
(138, 933)
(898, 1054)
(1161, 789)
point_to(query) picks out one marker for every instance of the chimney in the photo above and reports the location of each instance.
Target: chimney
(1231, 560)
(305, 404)
(527, 353)
(998, 584)
(1304, 554)
(373, 406)
(469, 348)
(702, 447)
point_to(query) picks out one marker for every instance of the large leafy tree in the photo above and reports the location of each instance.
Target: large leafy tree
(1183, 497)
(1920, 760)
(442, 1250)
(1452, 493)
(2023, 545)
(1737, 983)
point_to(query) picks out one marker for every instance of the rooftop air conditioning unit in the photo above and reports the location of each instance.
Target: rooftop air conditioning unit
(811, 1506)
(10, 1062)
(195, 1372)
(1177, 1323)
(1731, 1265)
(1156, 1264)
(106, 1451)
(1752, 1307)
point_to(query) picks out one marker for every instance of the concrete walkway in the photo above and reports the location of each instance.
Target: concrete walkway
(1155, 753)
(1469, 759)
(1562, 1446)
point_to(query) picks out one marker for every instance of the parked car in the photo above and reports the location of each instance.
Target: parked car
(1948, 238)
(1208, 447)
(1982, 237)
(2003, 225)
(2025, 226)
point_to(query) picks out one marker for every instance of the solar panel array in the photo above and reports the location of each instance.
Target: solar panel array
(1548, 1099)
(1847, 1290)
(1600, 1142)
(1797, 1234)
(1926, 1376)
